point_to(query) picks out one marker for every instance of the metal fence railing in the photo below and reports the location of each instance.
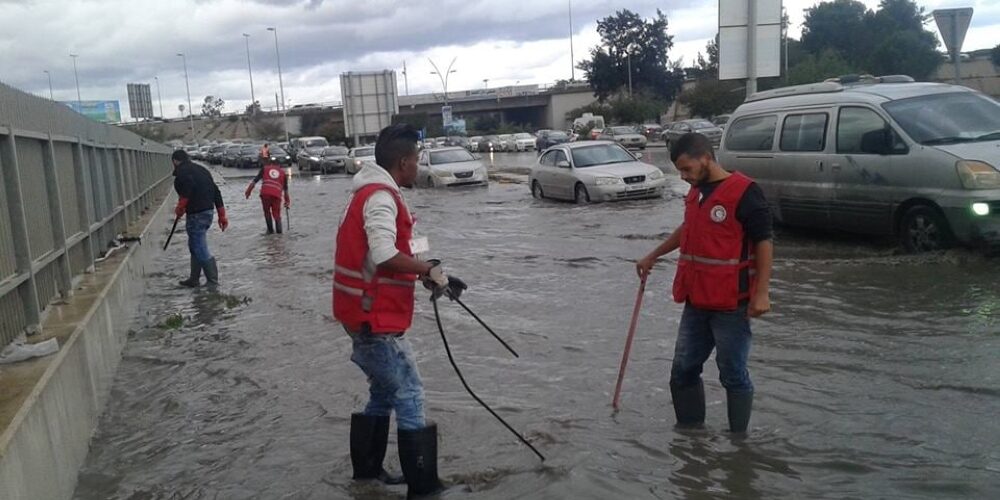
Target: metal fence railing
(69, 186)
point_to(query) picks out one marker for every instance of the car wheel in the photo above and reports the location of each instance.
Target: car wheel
(580, 195)
(924, 229)
(536, 191)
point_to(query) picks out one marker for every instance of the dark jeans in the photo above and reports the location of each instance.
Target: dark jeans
(393, 380)
(197, 226)
(728, 332)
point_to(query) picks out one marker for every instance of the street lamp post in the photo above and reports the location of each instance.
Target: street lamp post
(158, 96)
(187, 86)
(572, 67)
(51, 98)
(628, 59)
(250, 70)
(76, 76)
(444, 78)
(486, 83)
(277, 54)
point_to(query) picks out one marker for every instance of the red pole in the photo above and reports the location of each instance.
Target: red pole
(628, 343)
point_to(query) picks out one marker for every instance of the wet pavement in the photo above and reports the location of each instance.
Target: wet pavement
(876, 373)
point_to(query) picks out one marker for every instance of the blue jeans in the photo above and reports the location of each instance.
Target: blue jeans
(393, 380)
(197, 226)
(701, 330)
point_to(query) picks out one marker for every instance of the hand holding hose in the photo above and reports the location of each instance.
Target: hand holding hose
(441, 284)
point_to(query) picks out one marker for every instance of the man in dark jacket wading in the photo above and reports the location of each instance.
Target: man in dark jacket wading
(198, 199)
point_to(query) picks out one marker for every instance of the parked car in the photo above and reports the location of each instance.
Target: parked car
(280, 156)
(881, 156)
(248, 157)
(506, 142)
(441, 142)
(333, 159)
(548, 138)
(721, 120)
(704, 127)
(490, 144)
(457, 140)
(309, 158)
(524, 142)
(359, 157)
(474, 143)
(231, 155)
(626, 136)
(594, 171)
(214, 155)
(449, 167)
(651, 131)
(308, 147)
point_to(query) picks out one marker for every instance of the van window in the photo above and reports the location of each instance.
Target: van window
(852, 126)
(804, 132)
(755, 133)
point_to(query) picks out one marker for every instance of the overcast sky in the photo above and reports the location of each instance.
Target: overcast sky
(504, 41)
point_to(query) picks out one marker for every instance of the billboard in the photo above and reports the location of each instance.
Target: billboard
(102, 111)
(370, 101)
(749, 35)
(140, 100)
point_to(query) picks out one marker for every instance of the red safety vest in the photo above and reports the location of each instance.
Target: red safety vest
(273, 181)
(383, 301)
(712, 248)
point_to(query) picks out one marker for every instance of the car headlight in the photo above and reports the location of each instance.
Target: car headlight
(609, 181)
(977, 174)
(654, 175)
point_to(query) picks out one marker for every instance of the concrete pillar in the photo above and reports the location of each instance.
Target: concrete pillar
(19, 231)
(58, 224)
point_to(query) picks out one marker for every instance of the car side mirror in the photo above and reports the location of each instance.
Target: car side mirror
(562, 163)
(877, 142)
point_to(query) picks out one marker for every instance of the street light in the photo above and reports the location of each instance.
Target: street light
(76, 76)
(188, 87)
(444, 79)
(158, 96)
(486, 82)
(572, 68)
(628, 59)
(281, 84)
(50, 84)
(250, 70)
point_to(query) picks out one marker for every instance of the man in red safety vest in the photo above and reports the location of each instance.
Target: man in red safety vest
(274, 186)
(723, 279)
(375, 270)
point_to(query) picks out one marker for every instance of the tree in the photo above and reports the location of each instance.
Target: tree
(212, 106)
(995, 55)
(628, 39)
(713, 97)
(253, 109)
(839, 26)
(816, 68)
(901, 44)
(706, 68)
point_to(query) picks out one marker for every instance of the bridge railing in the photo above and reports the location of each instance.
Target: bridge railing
(69, 186)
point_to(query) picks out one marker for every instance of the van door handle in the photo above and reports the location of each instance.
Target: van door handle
(820, 166)
(836, 167)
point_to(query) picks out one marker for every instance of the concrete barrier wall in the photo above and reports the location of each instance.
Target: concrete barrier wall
(45, 445)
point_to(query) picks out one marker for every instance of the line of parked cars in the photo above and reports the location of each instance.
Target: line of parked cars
(242, 154)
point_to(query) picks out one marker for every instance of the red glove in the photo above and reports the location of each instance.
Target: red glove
(249, 190)
(288, 200)
(181, 207)
(223, 220)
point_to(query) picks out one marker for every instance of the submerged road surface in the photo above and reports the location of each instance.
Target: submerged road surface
(876, 374)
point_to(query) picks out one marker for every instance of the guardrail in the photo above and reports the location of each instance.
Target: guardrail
(69, 186)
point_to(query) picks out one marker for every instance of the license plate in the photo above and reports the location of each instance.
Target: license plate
(635, 187)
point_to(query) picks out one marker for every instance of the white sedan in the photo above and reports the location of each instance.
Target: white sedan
(449, 167)
(358, 157)
(594, 171)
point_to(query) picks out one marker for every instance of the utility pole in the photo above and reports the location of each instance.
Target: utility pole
(572, 63)
(76, 76)
(751, 48)
(406, 81)
(253, 99)
(486, 83)
(628, 59)
(277, 53)
(158, 96)
(51, 98)
(188, 87)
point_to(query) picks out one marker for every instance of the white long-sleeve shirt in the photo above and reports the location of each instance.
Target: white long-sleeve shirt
(379, 215)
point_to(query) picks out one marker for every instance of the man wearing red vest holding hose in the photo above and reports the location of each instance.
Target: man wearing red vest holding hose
(375, 270)
(723, 278)
(275, 184)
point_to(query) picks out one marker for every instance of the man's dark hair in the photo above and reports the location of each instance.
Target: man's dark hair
(692, 144)
(180, 155)
(394, 143)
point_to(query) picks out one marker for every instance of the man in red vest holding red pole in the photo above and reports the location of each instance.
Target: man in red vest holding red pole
(275, 185)
(723, 279)
(375, 270)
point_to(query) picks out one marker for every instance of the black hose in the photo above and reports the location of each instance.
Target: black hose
(447, 349)
(509, 348)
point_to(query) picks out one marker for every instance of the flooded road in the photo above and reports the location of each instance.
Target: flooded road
(876, 374)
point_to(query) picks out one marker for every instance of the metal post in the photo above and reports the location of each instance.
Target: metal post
(51, 98)
(406, 81)
(572, 62)
(628, 59)
(187, 86)
(955, 50)
(84, 200)
(751, 47)
(19, 231)
(56, 217)
(277, 53)
(444, 79)
(250, 70)
(784, 33)
(158, 96)
(79, 101)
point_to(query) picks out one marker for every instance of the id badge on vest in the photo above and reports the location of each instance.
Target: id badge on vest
(420, 245)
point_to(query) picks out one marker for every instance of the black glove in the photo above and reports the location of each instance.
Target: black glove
(439, 283)
(454, 289)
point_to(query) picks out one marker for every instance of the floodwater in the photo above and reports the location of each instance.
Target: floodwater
(876, 373)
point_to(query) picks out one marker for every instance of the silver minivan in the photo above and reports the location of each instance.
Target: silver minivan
(877, 155)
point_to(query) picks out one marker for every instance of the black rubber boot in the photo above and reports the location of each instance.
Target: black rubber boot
(270, 227)
(212, 272)
(195, 278)
(689, 404)
(738, 406)
(277, 226)
(369, 438)
(418, 457)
